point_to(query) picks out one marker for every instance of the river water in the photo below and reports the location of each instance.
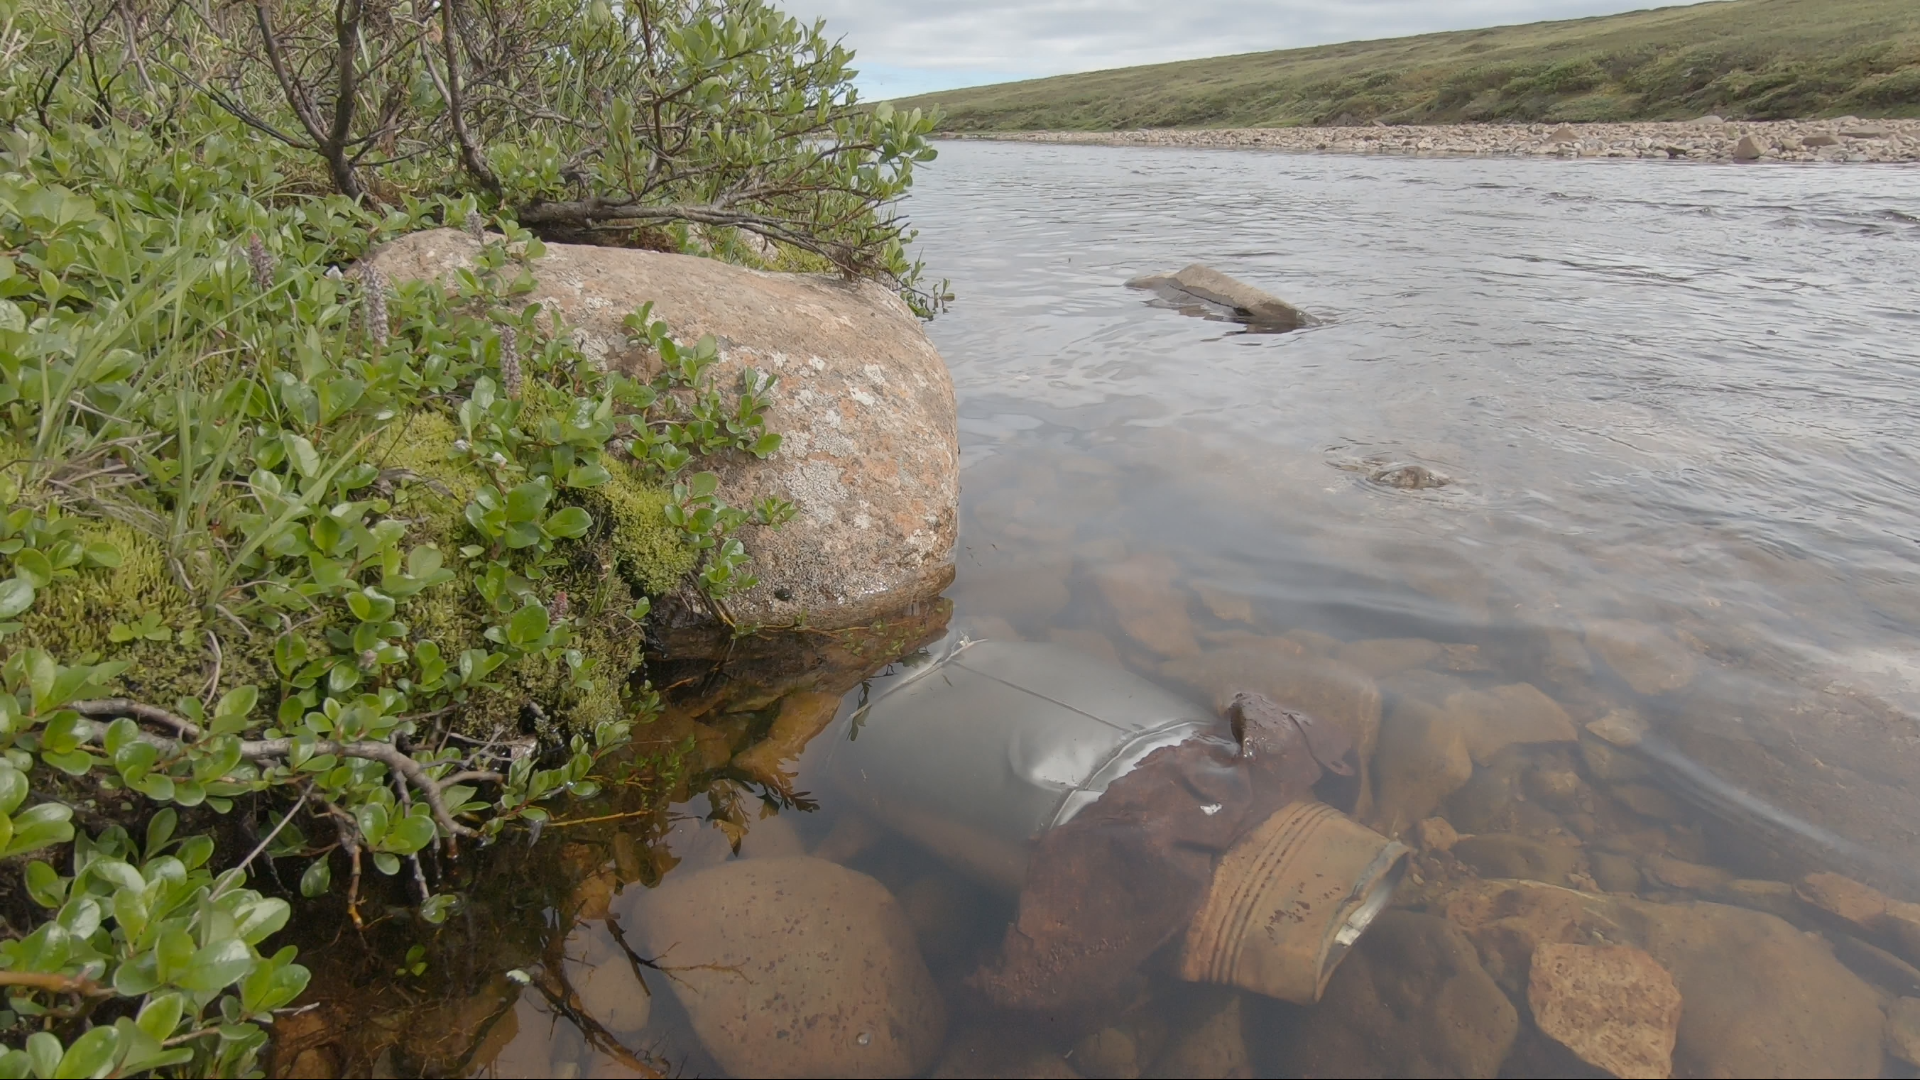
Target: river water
(1674, 410)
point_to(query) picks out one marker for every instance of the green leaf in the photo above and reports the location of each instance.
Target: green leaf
(45, 885)
(372, 820)
(386, 862)
(34, 565)
(437, 908)
(588, 475)
(527, 625)
(423, 561)
(410, 834)
(216, 966)
(701, 485)
(301, 452)
(16, 596)
(318, 878)
(90, 1055)
(160, 1016)
(117, 873)
(101, 553)
(235, 707)
(40, 826)
(570, 523)
(44, 1052)
(13, 787)
(160, 830)
(528, 501)
(262, 919)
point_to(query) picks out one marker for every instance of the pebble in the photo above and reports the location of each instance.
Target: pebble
(1704, 140)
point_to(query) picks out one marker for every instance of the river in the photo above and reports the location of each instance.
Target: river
(1674, 409)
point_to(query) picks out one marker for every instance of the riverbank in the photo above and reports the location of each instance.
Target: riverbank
(1846, 139)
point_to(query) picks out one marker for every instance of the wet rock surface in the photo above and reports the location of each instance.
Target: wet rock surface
(1259, 310)
(794, 967)
(1614, 1006)
(865, 407)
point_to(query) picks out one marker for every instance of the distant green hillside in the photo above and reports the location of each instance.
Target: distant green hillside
(1746, 59)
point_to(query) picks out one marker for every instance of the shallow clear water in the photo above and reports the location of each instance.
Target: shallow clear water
(1675, 405)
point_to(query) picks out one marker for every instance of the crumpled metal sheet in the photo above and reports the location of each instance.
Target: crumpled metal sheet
(1111, 887)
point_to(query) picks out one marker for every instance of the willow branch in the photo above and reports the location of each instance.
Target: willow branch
(259, 750)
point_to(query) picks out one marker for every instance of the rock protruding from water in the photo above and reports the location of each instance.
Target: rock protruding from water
(1259, 310)
(865, 406)
(1614, 1006)
(794, 967)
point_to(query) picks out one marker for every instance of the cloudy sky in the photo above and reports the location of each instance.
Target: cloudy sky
(914, 46)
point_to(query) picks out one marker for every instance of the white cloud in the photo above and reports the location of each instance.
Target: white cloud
(914, 46)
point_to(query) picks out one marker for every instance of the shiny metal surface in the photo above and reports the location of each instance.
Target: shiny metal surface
(975, 747)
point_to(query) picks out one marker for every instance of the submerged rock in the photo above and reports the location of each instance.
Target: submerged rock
(794, 967)
(1760, 998)
(1142, 596)
(1208, 1040)
(1259, 310)
(1651, 660)
(1504, 855)
(1412, 1000)
(1513, 715)
(1614, 1006)
(865, 406)
(1422, 759)
(1903, 1030)
(604, 981)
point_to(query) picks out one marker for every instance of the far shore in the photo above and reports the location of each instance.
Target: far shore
(1847, 139)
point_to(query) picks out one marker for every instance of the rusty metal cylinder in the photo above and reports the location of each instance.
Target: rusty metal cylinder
(975, 748)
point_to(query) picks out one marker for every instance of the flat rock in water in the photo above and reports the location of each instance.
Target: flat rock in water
(865, 407)
(794, 967)
(1142, 596)
(1651, 660)
(1511, 715)
(1614, 1006)
(1259, 310)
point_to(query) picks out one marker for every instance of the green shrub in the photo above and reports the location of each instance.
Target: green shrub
(371, 561)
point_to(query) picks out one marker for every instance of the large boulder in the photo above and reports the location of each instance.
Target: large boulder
(864, 404)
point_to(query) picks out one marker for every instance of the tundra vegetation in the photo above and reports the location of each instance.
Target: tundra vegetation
(1740, 59)
(307, 570)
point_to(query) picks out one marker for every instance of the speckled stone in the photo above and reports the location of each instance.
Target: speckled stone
(865, 407)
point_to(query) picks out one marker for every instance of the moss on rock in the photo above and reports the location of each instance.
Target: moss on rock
(630, 552)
